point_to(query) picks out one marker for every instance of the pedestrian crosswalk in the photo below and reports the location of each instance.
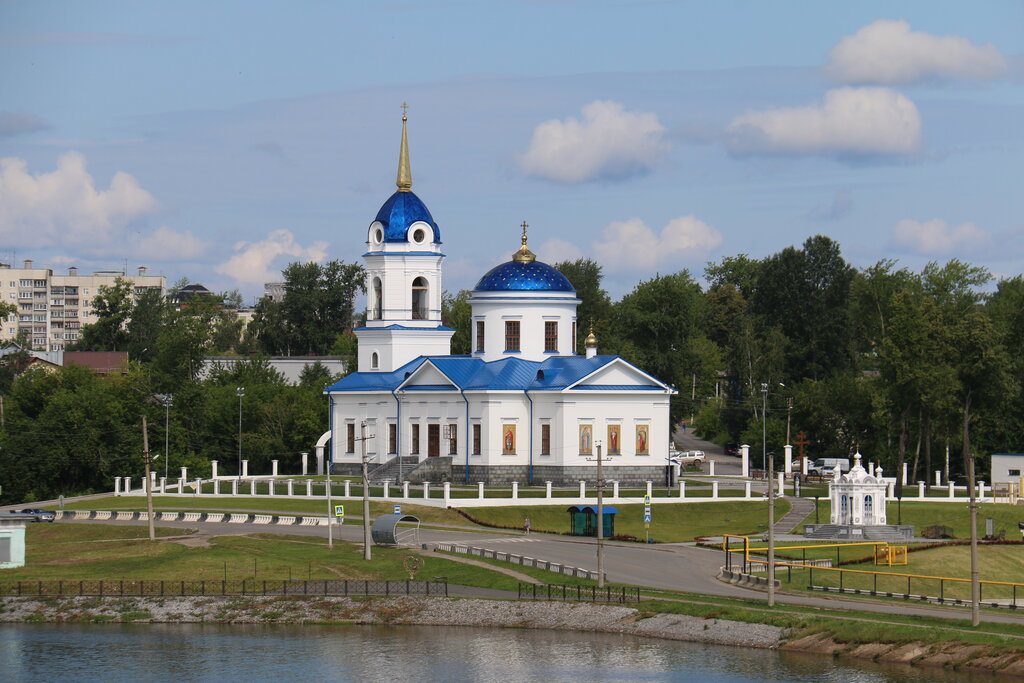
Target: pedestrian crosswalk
(513, 539)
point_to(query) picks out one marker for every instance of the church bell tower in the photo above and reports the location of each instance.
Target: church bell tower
(403, 280)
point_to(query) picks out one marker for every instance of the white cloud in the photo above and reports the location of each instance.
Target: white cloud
(632, 245)
(252, 263)
(938, 238)
(887, 51)
(165, 244)
(557, 250)
(64, 207)
(856, 121)
(608, 143)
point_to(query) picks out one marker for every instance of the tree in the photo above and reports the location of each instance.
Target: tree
(112, 307)
(148, 315)
(457, 314)
(595, 305)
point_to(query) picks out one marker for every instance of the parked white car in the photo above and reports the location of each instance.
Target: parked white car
(690, 458)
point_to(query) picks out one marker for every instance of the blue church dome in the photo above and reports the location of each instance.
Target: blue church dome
(401, 210)
(522, 275)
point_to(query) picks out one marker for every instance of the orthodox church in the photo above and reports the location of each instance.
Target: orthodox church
(522, 406)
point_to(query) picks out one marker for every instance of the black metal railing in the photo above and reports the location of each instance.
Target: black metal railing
(212, 587)
(530, 591)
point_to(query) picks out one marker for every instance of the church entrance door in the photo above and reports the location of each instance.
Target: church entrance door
(433, 440)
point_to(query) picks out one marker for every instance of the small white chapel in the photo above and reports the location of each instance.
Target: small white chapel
(522, 406)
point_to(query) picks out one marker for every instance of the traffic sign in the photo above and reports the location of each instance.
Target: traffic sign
(647, 500)
(398, 509)
(647, 518)
(339, 510)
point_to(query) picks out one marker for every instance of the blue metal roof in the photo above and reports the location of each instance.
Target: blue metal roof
(516, 275)
(405, 327)
(507, 374)
(401, 210)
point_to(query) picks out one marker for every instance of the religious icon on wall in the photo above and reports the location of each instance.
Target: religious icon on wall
(586, 439)
(508, 439)
(641, 440)
(614, 445)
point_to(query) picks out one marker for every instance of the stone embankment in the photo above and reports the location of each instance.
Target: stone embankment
(404, 610)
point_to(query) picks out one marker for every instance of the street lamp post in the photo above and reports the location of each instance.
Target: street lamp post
(600, 516)
(168, 402)
(241, 393)
(366, 492)
(764, 427)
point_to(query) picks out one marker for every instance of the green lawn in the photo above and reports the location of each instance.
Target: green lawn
(670, 523)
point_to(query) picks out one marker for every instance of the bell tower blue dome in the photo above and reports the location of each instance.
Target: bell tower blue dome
(399, 212)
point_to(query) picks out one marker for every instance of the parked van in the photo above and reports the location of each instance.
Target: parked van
(828, 466)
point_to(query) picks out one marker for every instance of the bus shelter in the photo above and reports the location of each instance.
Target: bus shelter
(583, 520)
(396, 530)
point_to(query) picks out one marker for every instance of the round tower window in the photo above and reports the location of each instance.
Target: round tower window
(378, 236)
(419, 235)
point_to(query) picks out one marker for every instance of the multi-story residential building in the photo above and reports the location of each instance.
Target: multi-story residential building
(53, 309)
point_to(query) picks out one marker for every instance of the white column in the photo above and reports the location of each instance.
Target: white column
(938, 477)
(305, 463)
(199, 486)
(870, 468)
(891, 495)
(447, 492)
(387, 488)
(649, 488)
(252, 487)
(615, 489)
(714, 489)
(348, 488)
(270, 487)
(426, 489)
(583, 489)
(291, 487)
(245, 468)
(273, 468)
(515, 490)
(480, 490)
(405, 489)
(782, 483)
(920, 489)
(788, 450)
(184, 473)
(981, 489)
(746, 489)
(320, 462)
(803, 466)
(745, 459)
(320, 455)
(181, 485)
(213, 469)
(163, 484)
(309, 487)
(952, 493)
(117, 486)
(682, 489)
(547, 490)
(234, 487)
(216, 487)
(127, 484)
(711, 467)
(905, 477)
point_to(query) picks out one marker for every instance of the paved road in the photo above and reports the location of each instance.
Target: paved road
(681, 567)
(724, 464)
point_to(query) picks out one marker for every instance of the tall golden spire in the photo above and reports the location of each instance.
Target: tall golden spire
(404, 181)
(523, 254)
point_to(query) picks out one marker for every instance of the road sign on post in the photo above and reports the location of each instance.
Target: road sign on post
(398, 509)
(339, 511)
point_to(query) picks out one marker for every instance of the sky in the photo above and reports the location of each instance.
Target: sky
(219, 142)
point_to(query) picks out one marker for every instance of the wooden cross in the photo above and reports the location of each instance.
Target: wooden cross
(802, 441)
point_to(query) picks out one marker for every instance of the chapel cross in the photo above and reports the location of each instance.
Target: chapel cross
(405, 107)
(803, 442)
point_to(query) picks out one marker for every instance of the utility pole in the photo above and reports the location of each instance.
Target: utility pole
(600, 518)
(168, 402)
(771, 532)
(330, 507)
(975, 586)
(366, 492)
(241, 394)
(149, 481)
(789, 417)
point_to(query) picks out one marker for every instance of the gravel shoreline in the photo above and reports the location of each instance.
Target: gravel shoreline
(404, 610)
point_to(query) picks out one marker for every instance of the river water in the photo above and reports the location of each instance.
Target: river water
(222, 653)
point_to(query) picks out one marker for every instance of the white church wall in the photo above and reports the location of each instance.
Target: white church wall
(531, 314)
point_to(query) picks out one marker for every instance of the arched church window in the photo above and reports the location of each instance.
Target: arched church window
(419, 298)
(868, 504)
(842, 506)
(374, 361)
(376, 299)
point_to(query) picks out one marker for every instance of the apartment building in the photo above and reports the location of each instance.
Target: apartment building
(53, 309)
